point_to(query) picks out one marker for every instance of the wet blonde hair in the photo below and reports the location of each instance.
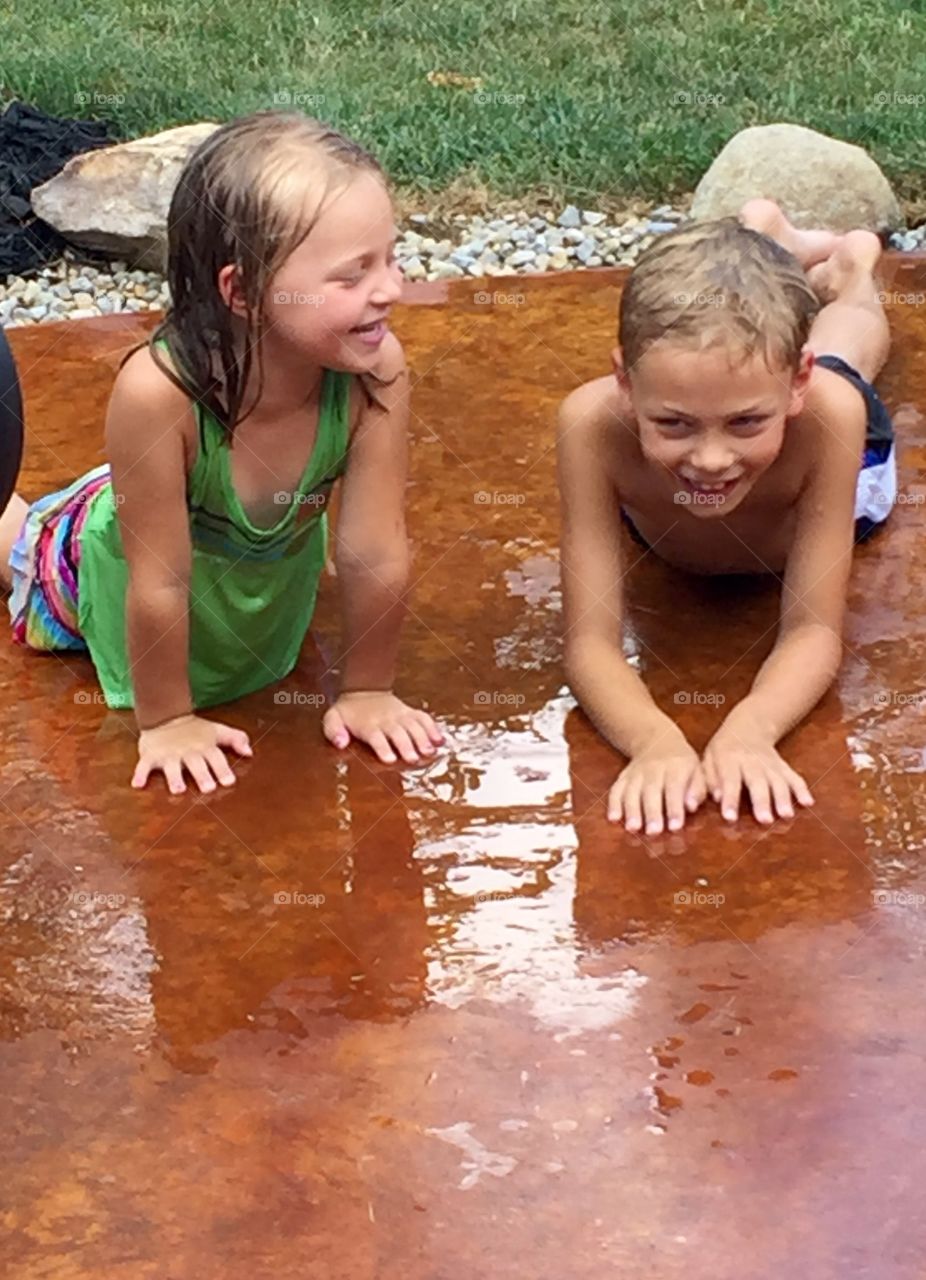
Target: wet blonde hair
(718, 283)
(248, 194)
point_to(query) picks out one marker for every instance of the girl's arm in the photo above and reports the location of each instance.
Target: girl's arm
(144, 443)
(808, 649)
(372, 563)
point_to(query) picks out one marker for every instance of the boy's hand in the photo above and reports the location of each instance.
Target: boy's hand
(383, 722)
(192, 742)
(740, 755)
(658, 786)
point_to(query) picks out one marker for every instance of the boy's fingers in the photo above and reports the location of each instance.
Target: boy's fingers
(433, 729)
(696, 792)
(781, 794)
(675, 801)
(799, 787)
(237, 739)
(710, 775)
(730, 784)
(633, 817)
(653, 796)
(616, 801)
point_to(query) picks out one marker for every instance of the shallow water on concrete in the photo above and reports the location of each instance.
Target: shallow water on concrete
(485, 1034)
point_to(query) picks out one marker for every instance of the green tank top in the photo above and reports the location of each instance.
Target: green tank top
(252, 590)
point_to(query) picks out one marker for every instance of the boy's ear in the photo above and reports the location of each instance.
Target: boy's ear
(800, 382)
(230, 291)
(617, 360)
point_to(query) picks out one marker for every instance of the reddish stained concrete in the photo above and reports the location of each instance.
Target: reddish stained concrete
(501, 1046)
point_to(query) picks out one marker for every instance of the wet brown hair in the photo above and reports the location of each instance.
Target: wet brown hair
(718, 282)
(248, 194)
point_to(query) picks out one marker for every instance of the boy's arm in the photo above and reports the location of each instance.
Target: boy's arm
(371, 547)
(808, 650)
(591, 565)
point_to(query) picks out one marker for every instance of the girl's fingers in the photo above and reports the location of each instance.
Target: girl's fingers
(237, 739)
(403, 744)
(380, 745)
(419, 736)
(140, 776)
(433, 729)
(173, 772)
(219, 765)
(199, 771)
(334, 728)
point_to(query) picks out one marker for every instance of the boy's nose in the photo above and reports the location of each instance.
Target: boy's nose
(712, 459)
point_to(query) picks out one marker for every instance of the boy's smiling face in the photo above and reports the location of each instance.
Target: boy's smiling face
(714, 420)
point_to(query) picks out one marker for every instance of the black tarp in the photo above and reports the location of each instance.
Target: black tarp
(33, 148)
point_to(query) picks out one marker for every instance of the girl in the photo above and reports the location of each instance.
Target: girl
(188, 565)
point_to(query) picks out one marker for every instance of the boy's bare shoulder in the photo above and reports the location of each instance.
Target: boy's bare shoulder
(834, 411)
(596, 409)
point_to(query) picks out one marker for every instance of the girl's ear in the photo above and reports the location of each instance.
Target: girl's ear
(230, 289)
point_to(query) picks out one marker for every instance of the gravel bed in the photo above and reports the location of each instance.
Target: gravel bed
(475, 246)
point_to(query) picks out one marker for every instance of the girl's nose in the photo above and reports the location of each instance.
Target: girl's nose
(388, 286)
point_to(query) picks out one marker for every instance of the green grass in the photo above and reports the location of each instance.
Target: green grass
(597, 110)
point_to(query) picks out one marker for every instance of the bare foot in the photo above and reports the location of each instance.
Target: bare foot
(852, 262)
(809, 247)
(10, 525)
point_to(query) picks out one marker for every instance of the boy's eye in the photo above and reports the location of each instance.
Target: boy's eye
(671, 424)
(747, 422)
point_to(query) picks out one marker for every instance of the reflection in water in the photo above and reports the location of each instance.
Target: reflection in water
(496, 842)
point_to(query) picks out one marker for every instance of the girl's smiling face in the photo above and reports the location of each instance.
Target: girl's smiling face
(714, 423)
(332, 296)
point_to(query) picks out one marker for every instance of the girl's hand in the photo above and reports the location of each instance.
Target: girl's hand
(192, 742)
(658, 787)
(738, 756)
(383, 722)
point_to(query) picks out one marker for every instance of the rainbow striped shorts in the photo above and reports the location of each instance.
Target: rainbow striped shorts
(44, 563)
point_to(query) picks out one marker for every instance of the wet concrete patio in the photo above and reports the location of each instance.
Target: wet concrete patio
(511, 1041)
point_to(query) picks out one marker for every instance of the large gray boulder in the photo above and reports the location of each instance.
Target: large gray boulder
(114, 200)
(819, 181)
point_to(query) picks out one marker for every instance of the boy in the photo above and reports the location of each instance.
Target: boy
(741, 434)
